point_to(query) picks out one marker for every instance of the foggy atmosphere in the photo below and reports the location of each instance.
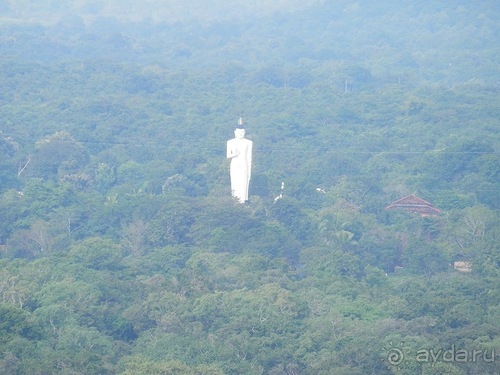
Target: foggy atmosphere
(254, 187)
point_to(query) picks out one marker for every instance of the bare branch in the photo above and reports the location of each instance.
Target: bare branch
(21, 168)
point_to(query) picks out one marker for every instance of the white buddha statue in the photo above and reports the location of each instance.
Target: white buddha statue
(239, 150)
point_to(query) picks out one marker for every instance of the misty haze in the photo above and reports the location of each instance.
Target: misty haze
(254, 187)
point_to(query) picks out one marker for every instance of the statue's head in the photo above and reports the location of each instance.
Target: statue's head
(239, 133)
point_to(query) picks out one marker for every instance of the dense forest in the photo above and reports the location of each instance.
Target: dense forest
(122, 251)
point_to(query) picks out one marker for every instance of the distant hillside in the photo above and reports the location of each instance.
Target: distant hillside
(158, 11)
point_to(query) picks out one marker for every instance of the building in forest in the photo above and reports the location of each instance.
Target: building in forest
(414, 204)
(462, 266)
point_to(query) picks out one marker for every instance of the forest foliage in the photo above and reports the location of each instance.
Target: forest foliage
(121, 250)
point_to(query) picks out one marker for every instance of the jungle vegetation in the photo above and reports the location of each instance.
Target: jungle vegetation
(121, 250)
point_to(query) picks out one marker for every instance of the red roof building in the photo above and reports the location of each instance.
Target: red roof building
(414, 204)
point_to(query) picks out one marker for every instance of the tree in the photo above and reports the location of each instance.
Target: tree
(9, 364)
(97, 253)
(287, 212)
(104, 177)
(8, 149)
(424, 258)
(138, 365)
(134, 236)
(15, 322)
(57, 155)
